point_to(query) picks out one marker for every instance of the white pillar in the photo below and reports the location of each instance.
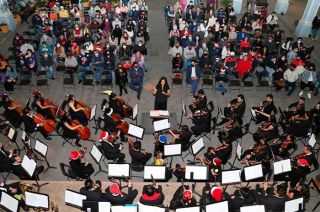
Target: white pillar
(282, 6)
(237, 5)
(6, 16)
(304, 26)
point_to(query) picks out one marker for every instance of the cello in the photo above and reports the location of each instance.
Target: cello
(53, 109)
(49, 125)
(122, 125)
(127, 109)
(83, 132)
(87, 110)
(18, 107)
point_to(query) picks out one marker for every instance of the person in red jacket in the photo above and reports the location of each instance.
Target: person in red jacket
(152, 195)
(245, 45)
(244, 66)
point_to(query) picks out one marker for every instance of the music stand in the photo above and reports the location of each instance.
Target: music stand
(135, 131)
(253, 172)
(196, 173)
(135, 113)
(282, 166)
(93, 113)
(9, 203)
(147, 208)
(42, 149)
(238, 155)
(119, 171)
(161, 125)
(171, 150)
(189, 209)
(183, 112)
(196, 147)
(220, 206)
(29, 166)
(253, 208)
(12, 136)
(125, 208)
(253, 116)
(73, 198)
(154, 172)
(313, 142)
(95, 206)
(37, 200)
(294, 205)
(97, 155)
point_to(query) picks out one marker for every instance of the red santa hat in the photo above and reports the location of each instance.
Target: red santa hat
(104, 135)
(187, 195)
(115, 189)
(34, 92)
(303, 162)
(216, 162)
(74, 155)
(216, 193)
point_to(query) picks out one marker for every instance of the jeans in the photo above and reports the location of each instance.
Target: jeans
(194, 85)
(49, 70)
(223, 87)
(317, 87)
(314, 33)
(97, 73)
(290, 87)
(136, 86)
(270, 72)
(82, 70)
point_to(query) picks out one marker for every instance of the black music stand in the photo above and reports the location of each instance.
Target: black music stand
(93, 117)
(42, 149)
(190, 175)
(9, 203)
(97, 155)
(12, 136)
(196, 147)
(135, 113)
(183, 113)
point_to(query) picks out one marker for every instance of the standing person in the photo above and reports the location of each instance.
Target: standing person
(291, 77)
(11, 78)
(161, 92)
(136, 76)
(193, 76)
(46, 64)
(121, 78)
(315, 27)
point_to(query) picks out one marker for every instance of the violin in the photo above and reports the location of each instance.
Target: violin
(285, 144)
(259, 149)
(83, 132)
(300, 156)
(204, 160)
(82, 152)
(264, 105)
(198, 113)
(215, 150)
(87, 110)
(122, 125)
(235, 106)
(49, 125)
(127, 109)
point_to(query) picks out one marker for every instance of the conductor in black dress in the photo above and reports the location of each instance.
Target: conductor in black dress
(161, 92)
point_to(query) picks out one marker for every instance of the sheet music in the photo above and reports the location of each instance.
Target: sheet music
(135, 131)
(161, 125)
(74, 198)
(282, 166)
(104, 206)
(11, 133)
(118, 170)
(232, 176)
(197, 146)
(312, 141)
(157, 172)
(93, 112)
(183, 108)
(163, 113)
(293, 205)
(41, 148)
(253, 172)
(24, 135)
(221, 207)
(253, 208)
(239, 151)
(37, 200)
(147, 208)
(135, 111)
(29, 165)
(253, 113)
(199, 172)
(154, 113)
(95, 153)
(9, 202)
(124, 209)
(191, 209)
(172, 149)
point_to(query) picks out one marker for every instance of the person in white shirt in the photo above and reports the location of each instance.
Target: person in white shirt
(291, 76)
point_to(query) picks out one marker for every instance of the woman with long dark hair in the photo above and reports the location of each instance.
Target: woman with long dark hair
(161, 92)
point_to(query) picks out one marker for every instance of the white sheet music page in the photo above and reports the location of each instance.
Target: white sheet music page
(74, 198)
(191, 209)
(253, 172)
(9, 202)
(312, 141)
(221, 207)
(147, 208)
(118, 170)
(11, 133)
(93, 112)
(161, 125)
(163, 113)
(96, 154)
(253, 208)
(157, 172)
(124, 209)
(104, 206)
(29, 165)
(135, 111)
(293, 205)
(172, 149)
(197, 146)
(282, 166)
(41, 147)
(154, 113)
(199, 172)
(135, 131)
(37, 200)
(232, 176)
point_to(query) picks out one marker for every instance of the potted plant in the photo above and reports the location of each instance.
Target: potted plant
(85, 3)
(4, 28)
(225, 3)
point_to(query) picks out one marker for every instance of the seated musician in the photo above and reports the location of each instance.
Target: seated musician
(235, 108)
(230, 131)
(138, 156)
(80, 169)
(152, 195)
(111, 150)
(76, 113)
(182, 137)
(110, 125)
(202, 121)
(268, 130)
(215, 168)
(69, 131)
(21, 173)
(183, 198)
(30, 126)
(315, 116)
(10, 112)
(267, 106)
(158, 161)
(113, 103)
(280, 146)
(38, 105)
(199, 102)
(116, 196)
(13, 189)
(6, 158)
(256, 153)
(242, 197)
(212, 195)
(222, 152)
(295, 108)
(302, 165)
(298, 125)
(299, 191)
(92, 190)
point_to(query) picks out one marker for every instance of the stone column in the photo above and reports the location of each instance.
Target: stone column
(304, 26)
(282, 7)
(237, 5)
(6, 16)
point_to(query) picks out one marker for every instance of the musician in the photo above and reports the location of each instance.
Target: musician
(113, 103)
(80, 169)
(38, 105)
(152, 195)
(267, 106)
(230, 131)
(161, 92)
(158, 161)
(30, 126)
(302, 164)
(69, 131)
(214, 168)
(299, 191)
(10, 112)
(299, 124)
(235, 108)
(137, 155)
(256, 153)
(298, 108)
(211, 195)
(92, 190)
(76, 113)
(115, 196)
(111, 150)
(182, 198)
(199, 102)
(222, 152)
(268, 130)
(280, 146)
(6, 158)
(241, 197)
(315, 114)
(202, 121)
(182, 137)
(21, 173)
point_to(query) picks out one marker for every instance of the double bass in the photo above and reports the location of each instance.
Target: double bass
(87, 109)
(83, 132)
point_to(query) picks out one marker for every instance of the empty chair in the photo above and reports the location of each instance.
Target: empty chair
(106, 79)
